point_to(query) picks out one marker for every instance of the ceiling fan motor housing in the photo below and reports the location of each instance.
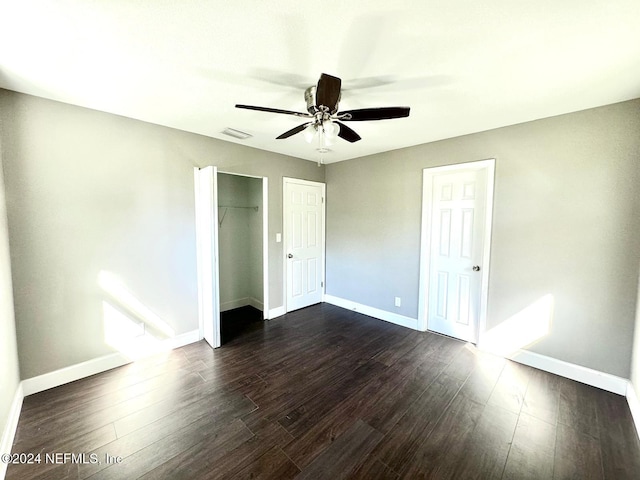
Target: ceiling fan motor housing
(312, 102)
(310, 98)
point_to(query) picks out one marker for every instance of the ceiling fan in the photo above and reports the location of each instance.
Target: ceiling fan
(325, 119)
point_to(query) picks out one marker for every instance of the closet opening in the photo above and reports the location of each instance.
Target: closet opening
(242, 253)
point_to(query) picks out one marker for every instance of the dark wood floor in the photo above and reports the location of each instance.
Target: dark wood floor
(239, 321)
(326, 393)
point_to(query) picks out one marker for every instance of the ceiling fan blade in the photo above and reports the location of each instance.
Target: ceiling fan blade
(328, 92)
(347, 133)
(273, 110)
(384, 113)
(293, 131)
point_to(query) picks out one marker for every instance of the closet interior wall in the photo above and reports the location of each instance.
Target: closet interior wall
(240, 241)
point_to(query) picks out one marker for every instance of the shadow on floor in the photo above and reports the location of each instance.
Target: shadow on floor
(239, 321)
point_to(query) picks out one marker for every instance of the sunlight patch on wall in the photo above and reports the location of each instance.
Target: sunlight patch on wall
(129, 325)
(520, 330)
(127, 336)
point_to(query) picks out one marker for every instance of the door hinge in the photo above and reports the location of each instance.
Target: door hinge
(322, 199)
(321, 284)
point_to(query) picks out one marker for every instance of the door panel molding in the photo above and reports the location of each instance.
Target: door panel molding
(426, 231)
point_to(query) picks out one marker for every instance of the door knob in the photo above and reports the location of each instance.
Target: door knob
(476, 268)
(290, 255)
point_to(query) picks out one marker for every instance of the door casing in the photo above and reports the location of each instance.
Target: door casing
(207, 255)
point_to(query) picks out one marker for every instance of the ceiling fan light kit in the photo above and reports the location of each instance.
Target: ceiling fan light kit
(325, 121)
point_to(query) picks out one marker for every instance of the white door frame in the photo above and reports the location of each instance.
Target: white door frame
(207, 258)
(265, 240)
(425, 239)
(285, 225)
(206, 209)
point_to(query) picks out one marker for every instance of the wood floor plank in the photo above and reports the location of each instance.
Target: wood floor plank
(281, 398)
(462, 364)
(266, 435)
(273, 465)
(372, 469)
(412, 341)
(157, 457)
(577, 407)
(180, 402)
(52, 469)
(93, 414)
(404, 391)
(542, 398)
(202, 413)
(577, 455)
(618, 438)
(511, 388)
(281, 375)
(345, 455)
(447, 348)
(481, 382)
(215, 458)
(400, 444)
(309, 413)
(383, 401)
(64, 471)
(438, 454)
(532, 452)
(486, 450)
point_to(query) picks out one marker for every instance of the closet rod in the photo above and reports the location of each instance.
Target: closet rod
(224, 214)
(234, 206)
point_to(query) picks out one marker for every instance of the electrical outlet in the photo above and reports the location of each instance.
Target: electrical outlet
(278, 237)
(398, 302)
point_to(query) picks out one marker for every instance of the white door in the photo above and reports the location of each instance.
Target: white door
(304, 242)
(458, 200)
(207, 254)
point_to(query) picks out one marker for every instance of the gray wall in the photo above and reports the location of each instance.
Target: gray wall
(9, 371)
(240, 240)
(89, 192)
(566, 223)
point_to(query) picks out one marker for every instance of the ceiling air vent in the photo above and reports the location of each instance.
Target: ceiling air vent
(232, 132)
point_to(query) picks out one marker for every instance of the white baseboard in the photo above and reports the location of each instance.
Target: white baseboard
(276, 312)
(96, 365)
(595, 378)
(241, 302)
(257, 304)
(373, 312)
(9, 432)
(634, 406)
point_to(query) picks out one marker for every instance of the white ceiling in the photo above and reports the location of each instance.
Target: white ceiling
(462, 67)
